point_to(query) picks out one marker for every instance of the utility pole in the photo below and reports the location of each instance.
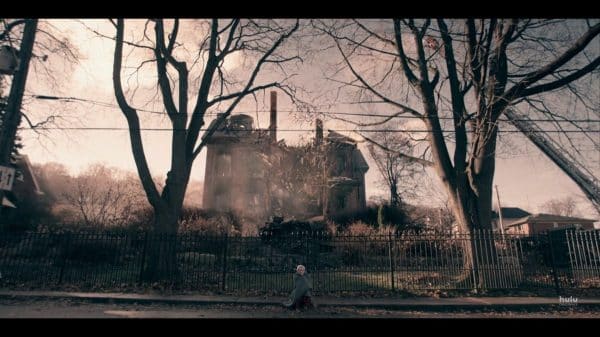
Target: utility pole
(499, 210)
(12, 115)
(272, 152)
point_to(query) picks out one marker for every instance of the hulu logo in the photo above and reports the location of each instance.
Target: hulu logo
(567, 300)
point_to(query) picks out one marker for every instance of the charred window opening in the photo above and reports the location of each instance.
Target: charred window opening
(224, 161)
(340, 201)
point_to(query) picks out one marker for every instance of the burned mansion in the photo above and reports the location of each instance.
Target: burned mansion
(250, 173)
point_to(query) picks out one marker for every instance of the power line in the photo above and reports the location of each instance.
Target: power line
(106, 104)
(447, 118)
(282, 130)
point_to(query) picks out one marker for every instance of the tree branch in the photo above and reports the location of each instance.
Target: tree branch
(244, 92)
(197, 120)
(421, 161)
(163, 81)
(458, 105)
(371, 88)
(562, 81)
(133, 122)
(576, 48)
(8, 27)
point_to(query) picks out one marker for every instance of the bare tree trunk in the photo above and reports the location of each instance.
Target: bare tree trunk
(162, 248)
(162, 263)
(464, 205)
(394, 197)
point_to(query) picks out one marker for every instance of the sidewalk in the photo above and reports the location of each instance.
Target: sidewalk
(421, 303)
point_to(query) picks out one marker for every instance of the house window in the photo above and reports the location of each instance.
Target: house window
(224, 161)
(338, 167)
(222, 201)
(252, 200)
(341, 202)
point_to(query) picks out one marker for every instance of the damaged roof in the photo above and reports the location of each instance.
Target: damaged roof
(339, 138)
(359, 161)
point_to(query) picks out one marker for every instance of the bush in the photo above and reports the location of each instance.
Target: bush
(359, 241)
(376, 216)
(293, 236)
(192, 220)
(360, 228)
(209, 222)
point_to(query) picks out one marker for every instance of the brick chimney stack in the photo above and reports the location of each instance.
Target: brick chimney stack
(319, 132)
(273, 125)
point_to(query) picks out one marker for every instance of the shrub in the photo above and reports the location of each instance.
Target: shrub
(209, 222)
(375, 216)
(360, 228)
(360, 240)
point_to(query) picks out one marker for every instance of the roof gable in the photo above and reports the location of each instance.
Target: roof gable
(545, 218)
(511, 213)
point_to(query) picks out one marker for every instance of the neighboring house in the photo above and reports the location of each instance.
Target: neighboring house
(344, 192)
(510, 215)
(25, 185)
(252, 174)
(541, 223)
(24, 199)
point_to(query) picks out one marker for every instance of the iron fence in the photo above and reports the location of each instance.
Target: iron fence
(401, 261)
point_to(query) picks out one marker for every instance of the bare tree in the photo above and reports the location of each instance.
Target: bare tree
(104, 197)
(258, 40)
(52, 60)
(465, 74)
(399, 174)
(566, 206)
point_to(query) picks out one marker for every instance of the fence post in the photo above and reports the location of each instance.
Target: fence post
(141, 277)
(391, 259)
(65, 255)
(553, 264)
(224, 263)
(307, 249)
(472, 237)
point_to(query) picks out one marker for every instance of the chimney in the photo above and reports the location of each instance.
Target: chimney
(319, 132)
(273, 125)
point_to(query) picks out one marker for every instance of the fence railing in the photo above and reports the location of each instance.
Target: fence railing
(401, 261)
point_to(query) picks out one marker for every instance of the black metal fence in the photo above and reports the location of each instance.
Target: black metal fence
(484, 260)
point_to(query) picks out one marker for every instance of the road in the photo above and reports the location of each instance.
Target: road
(18, 308)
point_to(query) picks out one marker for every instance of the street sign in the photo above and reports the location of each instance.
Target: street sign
(7, 177)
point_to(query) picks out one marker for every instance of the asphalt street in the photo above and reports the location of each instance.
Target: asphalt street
(44, 308)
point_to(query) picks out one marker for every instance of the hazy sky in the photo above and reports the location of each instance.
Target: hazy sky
(524, 176)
